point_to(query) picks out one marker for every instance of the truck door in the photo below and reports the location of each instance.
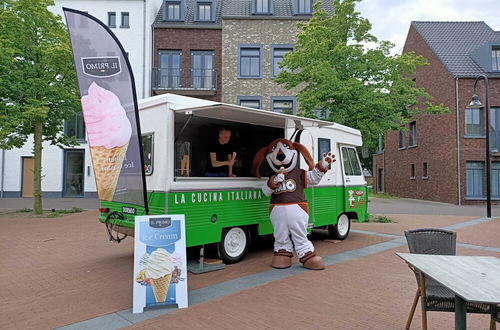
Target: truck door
(353, 179)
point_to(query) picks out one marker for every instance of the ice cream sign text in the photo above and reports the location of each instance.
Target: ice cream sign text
(216, 196)
(158, 233)
(101, 66)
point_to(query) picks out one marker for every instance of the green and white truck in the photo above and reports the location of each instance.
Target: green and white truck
(228, 211)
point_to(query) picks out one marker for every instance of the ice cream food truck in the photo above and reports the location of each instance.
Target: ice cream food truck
(229, 211)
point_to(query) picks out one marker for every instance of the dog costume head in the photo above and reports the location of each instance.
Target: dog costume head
(281, 153)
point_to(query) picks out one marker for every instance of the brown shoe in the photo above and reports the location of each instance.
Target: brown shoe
(282, 259)
(311, 261)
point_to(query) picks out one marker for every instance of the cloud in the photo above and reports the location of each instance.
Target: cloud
(391, 18)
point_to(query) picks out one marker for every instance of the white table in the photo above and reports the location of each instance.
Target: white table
(471, 278)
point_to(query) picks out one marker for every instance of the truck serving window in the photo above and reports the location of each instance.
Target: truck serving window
(324, 146)
(351, 162)
(147, 149)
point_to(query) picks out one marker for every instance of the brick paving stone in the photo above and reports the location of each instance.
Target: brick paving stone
(64, 270)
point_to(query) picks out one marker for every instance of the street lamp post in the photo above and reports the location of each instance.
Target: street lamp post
(475, 103)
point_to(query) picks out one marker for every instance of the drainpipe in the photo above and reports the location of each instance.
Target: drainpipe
(3, 172)
(458, 143)
(145, 52)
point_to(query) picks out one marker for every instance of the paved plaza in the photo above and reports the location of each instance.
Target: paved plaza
(64, 273)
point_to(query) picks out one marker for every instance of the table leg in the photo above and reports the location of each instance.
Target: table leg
(460, 314)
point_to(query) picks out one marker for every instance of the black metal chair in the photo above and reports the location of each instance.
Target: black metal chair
(495, 316)
(434, 296)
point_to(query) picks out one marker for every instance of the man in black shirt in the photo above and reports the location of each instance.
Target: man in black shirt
(222, 156)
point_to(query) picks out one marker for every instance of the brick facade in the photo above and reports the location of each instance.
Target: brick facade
(251, 31)
(440, 138)
(187, 40)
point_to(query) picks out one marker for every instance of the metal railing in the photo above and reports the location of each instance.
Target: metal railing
(172, 79)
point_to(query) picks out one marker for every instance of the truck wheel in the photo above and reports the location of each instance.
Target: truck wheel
(234, 244)
(341, 229)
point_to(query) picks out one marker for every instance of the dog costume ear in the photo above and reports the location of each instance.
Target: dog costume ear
(305, 153)
(257, 161)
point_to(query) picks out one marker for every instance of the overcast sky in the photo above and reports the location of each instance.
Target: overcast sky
(391, 18)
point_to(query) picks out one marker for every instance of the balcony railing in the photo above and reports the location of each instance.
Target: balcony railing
(172, 79)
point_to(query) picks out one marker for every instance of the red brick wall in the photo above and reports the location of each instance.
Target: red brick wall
(474, 149)
(187, 40)
(436, 136)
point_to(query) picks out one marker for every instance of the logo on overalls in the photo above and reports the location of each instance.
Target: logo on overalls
(286, 186)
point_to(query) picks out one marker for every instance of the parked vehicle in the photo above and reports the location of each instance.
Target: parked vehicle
(176, 132)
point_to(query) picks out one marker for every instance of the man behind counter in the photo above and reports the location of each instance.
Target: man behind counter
(221, 156)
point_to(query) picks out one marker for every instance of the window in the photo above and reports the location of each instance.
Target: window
(278, 53)
(173, 11)
(413, 134)
(402, 138)
(111, 19)
(250, 61)
(169, 73)
(412, 171)
(351, 162)
(262, 7)
(204, 11)
(474, 122)
(475, 179)
(304, 7)
(202, 69)
(125, 20)
(75, 127)
(425, 171)
(495, 179)
(324, 146)
(495, 129)
(283, 104)
(147, 150)
(250, 101)
(495, 59)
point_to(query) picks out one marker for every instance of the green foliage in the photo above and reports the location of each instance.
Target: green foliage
(37, 78)
(378, 218)
(38, 89)
(368, 89)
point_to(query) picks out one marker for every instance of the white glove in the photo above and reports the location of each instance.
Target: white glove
(280, 177)
(328, 158)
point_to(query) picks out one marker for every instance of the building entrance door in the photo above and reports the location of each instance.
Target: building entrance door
(73, 173)
(380, 182)
(27, 179)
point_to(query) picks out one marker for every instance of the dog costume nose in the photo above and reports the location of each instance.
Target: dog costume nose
(280, 156)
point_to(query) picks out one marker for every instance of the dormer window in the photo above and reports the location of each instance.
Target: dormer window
(304, 7)
(495, 58)
(205, 11)
(262, 7)
(173, 10)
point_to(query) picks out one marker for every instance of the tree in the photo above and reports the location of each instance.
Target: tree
(38, 89)
(348, 83)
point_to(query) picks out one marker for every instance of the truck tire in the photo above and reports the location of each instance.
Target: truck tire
(234, 244)
(341, 229)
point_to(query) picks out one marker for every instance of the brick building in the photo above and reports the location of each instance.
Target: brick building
(442, 157)
(187, 45)
(227, 50)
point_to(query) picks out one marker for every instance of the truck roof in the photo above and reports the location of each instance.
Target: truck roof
(232, 112)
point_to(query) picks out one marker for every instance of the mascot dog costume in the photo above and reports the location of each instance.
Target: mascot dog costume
(289, 210)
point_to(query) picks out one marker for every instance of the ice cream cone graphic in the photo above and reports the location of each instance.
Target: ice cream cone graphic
(107, 167)
(109, 132)
(159, 270)
(160, 287)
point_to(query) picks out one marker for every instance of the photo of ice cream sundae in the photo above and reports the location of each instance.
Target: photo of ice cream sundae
(159, 272)
(109, 132)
